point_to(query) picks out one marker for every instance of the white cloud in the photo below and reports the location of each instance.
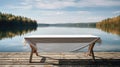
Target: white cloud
(57, 16)
(95, 18)
(66, 17)
(83, 12)
(98, 3)
(19, 7)
(116, 12)
(24, 3)
(61, 16)
(50, 13)
(59, 4)
(61, 13)
(53, 4)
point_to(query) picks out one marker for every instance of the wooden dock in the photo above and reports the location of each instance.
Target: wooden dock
(21, 59)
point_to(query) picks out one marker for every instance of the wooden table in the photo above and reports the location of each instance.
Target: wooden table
(33, 39)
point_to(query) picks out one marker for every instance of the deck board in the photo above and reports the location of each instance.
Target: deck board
(10, 59)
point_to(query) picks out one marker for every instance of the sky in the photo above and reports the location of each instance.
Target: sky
(62, 11)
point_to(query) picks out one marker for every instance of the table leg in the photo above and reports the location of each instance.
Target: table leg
(31, 54)
(90, 51)
(33, 50)
(93, 57)
(36, 53)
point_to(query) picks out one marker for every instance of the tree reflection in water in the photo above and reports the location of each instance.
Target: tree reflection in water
(109, 29)
(15, 31)
(110, 25)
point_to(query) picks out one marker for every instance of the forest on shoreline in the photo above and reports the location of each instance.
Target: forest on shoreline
(11, 25)
(110, 25)
(12, 21)
(110, 22)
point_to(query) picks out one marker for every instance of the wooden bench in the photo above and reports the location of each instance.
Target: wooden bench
(34, 39)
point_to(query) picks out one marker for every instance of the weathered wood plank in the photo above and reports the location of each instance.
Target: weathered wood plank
(57, 59)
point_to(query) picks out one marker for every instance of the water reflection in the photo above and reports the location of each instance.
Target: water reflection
(110, 42)
(12, 32)
(108, 29)
(113, 30)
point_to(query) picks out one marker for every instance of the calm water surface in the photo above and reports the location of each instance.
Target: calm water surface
(110, 42)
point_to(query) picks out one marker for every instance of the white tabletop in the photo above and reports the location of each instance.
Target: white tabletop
(53, 42)
(61, 36)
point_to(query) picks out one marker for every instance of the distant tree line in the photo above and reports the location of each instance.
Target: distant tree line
(110, 22)
(111, 25)
(9, 20)
(86, 25)
(81, 25)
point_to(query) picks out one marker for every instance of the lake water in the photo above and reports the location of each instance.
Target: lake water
(110, 42)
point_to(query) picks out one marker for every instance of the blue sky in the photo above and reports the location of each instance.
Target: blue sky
(62, 11)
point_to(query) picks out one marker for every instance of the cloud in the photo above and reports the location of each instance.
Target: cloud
(59, 4)
(54, 4)
(20, 4)
(54, 11)
(66, 16)
(116, 12)
(98, 3)
(62, 13)
(19, 7)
